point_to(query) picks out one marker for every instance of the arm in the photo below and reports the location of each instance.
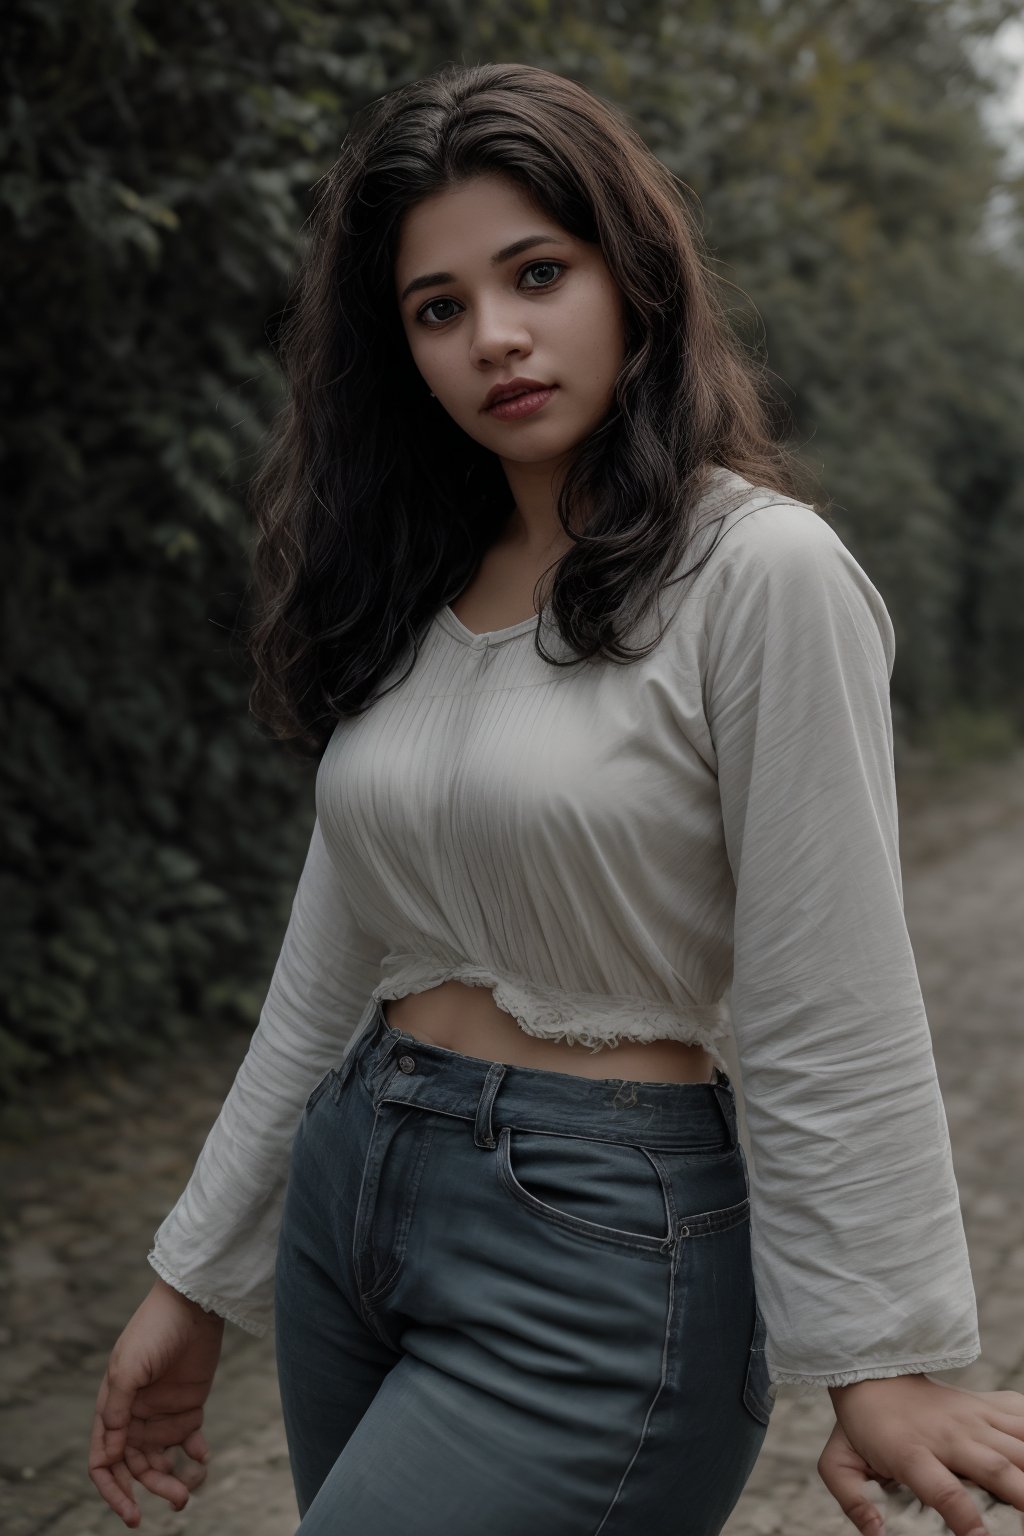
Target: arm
(218, 1245)
(859, 1253)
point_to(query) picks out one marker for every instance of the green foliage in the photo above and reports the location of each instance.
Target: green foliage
(160, 162)
(845, 182)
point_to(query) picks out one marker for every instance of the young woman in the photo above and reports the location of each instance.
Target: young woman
(601, 708)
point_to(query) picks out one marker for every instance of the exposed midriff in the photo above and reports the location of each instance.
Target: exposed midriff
(467, 1019)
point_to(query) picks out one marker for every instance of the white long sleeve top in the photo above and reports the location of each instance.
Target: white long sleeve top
(699, 842)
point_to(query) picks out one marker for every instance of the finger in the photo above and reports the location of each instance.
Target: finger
(164, 1484)
(123, 1478)
(106, 1445)
(194, 1474)
(118, 1397)
(940, 1489)
(105, 1456)
(163, 1461)
(993, 1470)
(845, 1475)
(108, 1488)
(1008, 1423)
(195, 1445)
(1011, 1446)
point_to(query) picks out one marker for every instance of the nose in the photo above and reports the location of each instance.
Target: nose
(496, 333)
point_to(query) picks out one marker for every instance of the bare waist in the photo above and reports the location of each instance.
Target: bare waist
(467, 1019)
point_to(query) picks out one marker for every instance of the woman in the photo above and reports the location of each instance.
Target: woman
(518, 1276)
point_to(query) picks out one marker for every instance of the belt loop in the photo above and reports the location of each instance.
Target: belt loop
(381, 1040)
(726, 1097)
(483, 1131)
(342, 1075)
(356, 1045)
(384, 1050)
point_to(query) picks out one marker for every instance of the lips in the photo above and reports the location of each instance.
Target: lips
(512, 388)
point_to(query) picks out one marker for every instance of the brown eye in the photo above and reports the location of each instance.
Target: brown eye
(558, 267)
(423, 311)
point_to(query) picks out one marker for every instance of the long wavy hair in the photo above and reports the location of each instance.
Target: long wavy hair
(373, 509)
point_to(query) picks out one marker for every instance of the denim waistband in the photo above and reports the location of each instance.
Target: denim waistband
(398, 1068)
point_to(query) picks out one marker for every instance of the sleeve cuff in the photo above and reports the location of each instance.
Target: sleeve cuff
(249, 1319)
(879, 1372)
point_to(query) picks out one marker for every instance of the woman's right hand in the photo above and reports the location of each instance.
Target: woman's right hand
(151, 1400)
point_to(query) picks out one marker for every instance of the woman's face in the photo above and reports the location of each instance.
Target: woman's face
(478, 313)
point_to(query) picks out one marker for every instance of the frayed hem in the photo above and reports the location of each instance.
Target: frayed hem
(589, 1020)
(249, 1322)
(872, 1372)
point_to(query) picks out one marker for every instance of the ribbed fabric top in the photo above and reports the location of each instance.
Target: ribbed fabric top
(701, 841)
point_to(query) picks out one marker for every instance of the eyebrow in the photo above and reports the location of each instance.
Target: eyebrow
(505, 254)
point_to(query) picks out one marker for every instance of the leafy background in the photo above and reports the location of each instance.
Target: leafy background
(159, 163)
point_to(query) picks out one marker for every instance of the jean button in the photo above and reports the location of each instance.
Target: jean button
(406, 1064)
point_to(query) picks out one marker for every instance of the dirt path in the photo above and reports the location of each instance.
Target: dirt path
(84, 1192)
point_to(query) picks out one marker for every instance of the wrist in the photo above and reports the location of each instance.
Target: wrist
(186, 1302)
(843, 1394)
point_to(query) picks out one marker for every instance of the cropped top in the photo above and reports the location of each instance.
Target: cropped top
(700, 842)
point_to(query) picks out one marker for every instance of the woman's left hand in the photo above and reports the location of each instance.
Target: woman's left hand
(926, 1435)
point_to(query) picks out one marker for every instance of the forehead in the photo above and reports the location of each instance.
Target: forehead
(468, 222)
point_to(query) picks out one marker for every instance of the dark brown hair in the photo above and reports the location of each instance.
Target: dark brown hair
(373, 508)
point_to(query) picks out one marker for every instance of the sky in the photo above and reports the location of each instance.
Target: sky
(1004, 116)
(1007, 113)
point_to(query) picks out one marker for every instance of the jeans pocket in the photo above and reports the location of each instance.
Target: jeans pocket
(610, 1192)
(758, 1391)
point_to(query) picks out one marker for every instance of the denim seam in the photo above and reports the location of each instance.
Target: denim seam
(712, 1222)
(606, 1236)
(357, 1221)
(400, 1089)
(634, 1137)
(402, 1236)
(670, 1314)
(666, 1189)
(366, 1311)
(755, 1400)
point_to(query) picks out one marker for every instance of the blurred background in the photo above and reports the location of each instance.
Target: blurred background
(860, 179)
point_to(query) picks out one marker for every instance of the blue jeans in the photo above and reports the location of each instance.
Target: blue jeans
(515, 1301)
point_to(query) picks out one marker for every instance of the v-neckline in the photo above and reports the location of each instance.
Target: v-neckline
(453, 625)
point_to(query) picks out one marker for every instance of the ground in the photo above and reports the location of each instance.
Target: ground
(84, 1190)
